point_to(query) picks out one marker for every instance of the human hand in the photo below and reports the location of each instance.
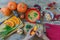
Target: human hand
(29, 36)
(39, 32)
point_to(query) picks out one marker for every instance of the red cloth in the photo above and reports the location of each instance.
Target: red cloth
(53, 32)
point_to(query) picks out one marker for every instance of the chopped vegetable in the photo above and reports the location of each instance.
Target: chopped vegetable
(7, 27)
(7, 30)
(9, 22)
(29, 16)
(28, 26)
(35, 14)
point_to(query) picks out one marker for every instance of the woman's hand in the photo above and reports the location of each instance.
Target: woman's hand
(28, 36)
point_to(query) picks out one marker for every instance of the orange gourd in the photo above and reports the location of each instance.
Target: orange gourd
(12, 5)
(21, 7)
(6, 11)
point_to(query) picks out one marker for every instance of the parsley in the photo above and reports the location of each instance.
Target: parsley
(29, 16)
(35, 14)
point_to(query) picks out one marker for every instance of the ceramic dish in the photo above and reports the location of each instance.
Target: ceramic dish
(49, 15)
(27, 27)
(32, 15)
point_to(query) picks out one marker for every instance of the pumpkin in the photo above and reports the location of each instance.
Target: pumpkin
(21, 7)
(12, 5)
(9, 22)
(6, 11)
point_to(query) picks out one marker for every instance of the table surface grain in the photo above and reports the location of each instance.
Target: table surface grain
(30, 3)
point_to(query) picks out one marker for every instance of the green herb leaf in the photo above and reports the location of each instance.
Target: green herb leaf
(7, 29)
(29, 16)
(28, 26)
(35, 14)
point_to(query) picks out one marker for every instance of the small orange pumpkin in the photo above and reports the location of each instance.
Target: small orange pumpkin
(6, 11)
(21, 7)
(12, 5)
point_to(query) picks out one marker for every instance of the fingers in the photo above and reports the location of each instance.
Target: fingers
(32, 32)
(39, 34)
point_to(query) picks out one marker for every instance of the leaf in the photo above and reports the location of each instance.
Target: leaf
(29, 16)
(7, 27)
(28, 26)
(35, 14)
